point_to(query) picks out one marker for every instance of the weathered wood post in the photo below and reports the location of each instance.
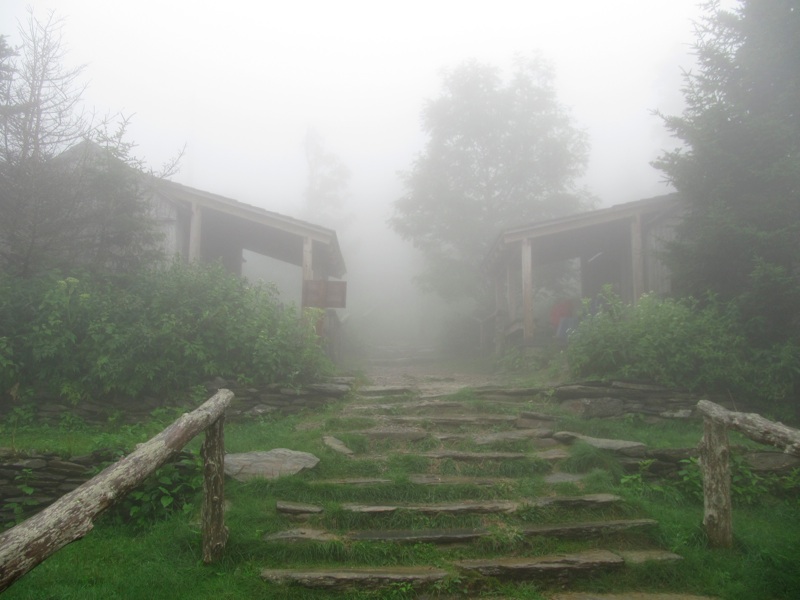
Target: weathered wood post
(715, 464)
(215, 534)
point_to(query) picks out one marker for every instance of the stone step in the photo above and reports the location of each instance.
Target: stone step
(551, 455)
(624, 447)
(431, 479)
(559, 568)
(377, 391)
(417, 479)
(456, 508)
(409, 405)
(451, 508)
(572, 531)
(590, 529)
(484, 439)
(363, 578)
(554, 569)
(456, 420)
(627, 596)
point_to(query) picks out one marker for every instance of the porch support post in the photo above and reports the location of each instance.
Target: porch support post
(527, 290)
(637, 258)
(195, 232)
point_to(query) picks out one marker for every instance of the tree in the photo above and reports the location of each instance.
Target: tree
(738, 169)
(499, 153)
(69, 190)
(328, 181)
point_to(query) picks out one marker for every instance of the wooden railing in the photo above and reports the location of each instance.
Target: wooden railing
(715, 461)
(71, 517)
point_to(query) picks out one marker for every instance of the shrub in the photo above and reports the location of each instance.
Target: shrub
(154, 333)
(682, 344)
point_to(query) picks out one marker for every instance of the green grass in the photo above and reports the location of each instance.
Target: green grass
(163, 559)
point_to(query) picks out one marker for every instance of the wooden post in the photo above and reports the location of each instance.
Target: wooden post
(215, 534)
(637, 258)
(70, 517)
(195, 232)
(527, 291)
(715, 465)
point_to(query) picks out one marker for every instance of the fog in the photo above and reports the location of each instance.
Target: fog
(241, 84)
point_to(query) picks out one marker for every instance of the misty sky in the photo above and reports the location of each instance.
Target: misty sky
(240, 82)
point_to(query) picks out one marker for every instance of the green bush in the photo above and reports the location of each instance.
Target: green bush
(681, 344)
(157, 332)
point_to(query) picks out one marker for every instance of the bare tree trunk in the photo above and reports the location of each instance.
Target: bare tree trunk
(70, 517)
(215, 534)
(715, 463)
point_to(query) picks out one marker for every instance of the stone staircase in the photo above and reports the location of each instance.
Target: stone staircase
(560, 535)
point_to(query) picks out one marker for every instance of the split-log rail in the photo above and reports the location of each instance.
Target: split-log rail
(715, 461)
(71, 517)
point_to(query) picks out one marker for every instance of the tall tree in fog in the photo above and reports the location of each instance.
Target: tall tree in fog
(61, 208)
(328, 184)
(739, 167)
(501, 152)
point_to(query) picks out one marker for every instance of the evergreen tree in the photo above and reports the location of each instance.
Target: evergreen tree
(739, 167)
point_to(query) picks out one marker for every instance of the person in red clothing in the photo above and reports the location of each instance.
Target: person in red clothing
(561, 318)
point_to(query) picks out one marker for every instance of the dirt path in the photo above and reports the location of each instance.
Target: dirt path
(427, 377)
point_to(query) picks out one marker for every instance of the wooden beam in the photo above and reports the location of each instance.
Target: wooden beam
(527, 290)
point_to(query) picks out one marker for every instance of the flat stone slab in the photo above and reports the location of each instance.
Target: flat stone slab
(638, 557)
(627, 596)
(418, 536)
(511, 436)
(458, 420)
(560, 477)
(453, 508)
(355, 481)
(557, 567)
(500, 391)
(302, 534)
(400, 434)
(585, 501)
(553, 455)
(297, 508)
(336, 445)
(409, 405)
(374, 391)
(473, 456)
(621, 446)
(536, 416)
(589, 529)
(370, 578)
(431, 479)
(269, 465)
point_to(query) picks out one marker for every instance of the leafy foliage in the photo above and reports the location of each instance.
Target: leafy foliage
(500, 153)
(682, 344)
(738, 170)
(157, 332)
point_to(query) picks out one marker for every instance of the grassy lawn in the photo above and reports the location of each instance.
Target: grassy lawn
(161, 557)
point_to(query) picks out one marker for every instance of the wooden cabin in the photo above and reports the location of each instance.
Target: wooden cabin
(619, 246)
